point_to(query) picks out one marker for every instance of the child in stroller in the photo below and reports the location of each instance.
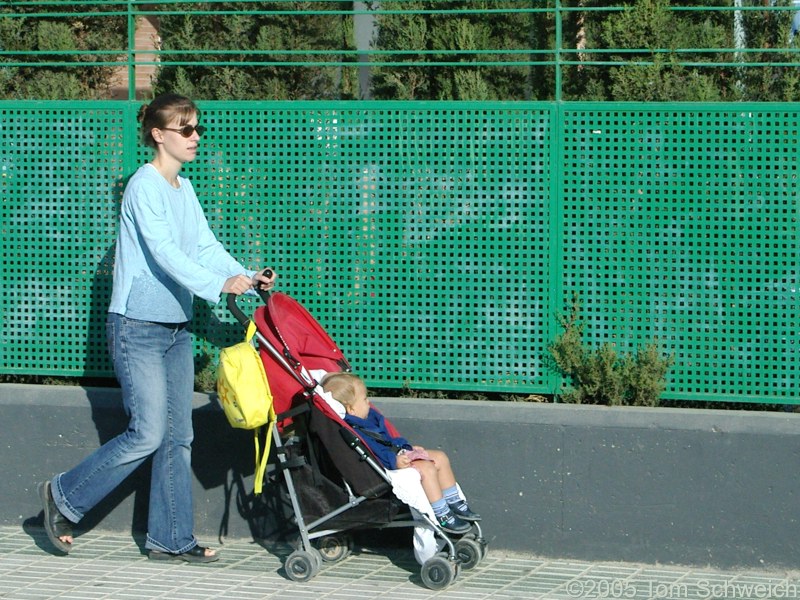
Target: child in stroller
(437, 478)
(334, 483)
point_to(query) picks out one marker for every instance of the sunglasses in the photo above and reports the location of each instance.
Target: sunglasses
(187, 130)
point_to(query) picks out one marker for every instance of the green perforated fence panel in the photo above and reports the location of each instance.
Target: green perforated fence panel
(417, 235)
(680, 223)
(435, 242)
(61, 172)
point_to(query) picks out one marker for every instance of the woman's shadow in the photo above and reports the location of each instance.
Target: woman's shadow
(108, 417)
(224, 456)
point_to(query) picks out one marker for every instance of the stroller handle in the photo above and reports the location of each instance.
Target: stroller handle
(237, 312)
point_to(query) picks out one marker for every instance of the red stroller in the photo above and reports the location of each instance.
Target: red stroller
(334, 483)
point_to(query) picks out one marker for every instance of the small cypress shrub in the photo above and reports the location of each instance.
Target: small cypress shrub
(602, 375)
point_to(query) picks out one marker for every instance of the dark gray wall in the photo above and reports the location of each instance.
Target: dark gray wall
(695, 487)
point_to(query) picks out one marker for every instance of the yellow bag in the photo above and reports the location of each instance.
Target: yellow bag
(245, 396)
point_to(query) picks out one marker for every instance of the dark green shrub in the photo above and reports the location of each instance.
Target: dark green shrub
(205, 372)
(603, 375)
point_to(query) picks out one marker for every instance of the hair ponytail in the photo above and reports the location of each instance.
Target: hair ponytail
(142, 112)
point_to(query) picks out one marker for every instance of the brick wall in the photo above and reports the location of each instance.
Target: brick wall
(145, 40)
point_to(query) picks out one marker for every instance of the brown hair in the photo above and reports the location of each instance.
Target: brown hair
(342, 386)
(161, 111)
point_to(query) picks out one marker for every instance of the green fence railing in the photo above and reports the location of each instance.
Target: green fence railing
(437, 241)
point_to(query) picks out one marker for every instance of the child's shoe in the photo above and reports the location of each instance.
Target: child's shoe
(462, 511)
(450, 523)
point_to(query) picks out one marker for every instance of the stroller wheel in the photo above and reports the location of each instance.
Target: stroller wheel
(301, 566)
(334, 548)
(438, 572)
(469, 553)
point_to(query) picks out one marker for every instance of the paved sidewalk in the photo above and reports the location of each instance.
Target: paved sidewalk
(112, 566)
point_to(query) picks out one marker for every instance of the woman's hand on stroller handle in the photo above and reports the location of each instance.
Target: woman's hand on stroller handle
(262, 282)
(264, 279)
(239, 284)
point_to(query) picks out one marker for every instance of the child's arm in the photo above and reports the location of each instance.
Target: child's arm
(403, 461)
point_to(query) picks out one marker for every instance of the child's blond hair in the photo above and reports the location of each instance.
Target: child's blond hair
(342, 386)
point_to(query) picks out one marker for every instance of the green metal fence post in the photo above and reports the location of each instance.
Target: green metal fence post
(557, 50)
(131, 48)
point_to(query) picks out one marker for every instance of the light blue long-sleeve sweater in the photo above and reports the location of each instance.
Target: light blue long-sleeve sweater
(166, 253)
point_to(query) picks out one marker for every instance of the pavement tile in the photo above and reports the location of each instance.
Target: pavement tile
(107, 566)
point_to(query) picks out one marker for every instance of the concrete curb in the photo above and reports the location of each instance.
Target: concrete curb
(671, 486)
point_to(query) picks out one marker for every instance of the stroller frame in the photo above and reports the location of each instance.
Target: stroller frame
(319, 544)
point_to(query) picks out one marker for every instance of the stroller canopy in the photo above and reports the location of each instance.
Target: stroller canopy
(301, 341)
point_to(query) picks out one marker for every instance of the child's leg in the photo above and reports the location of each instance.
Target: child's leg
(438, 469)
(444, 472)
(447, 482)
(430, 478)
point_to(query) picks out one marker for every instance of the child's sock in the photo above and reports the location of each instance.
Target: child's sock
(459, 505)
(440, 507)
(451, 497)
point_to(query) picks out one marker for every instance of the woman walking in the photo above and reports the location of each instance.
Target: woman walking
(165, 255)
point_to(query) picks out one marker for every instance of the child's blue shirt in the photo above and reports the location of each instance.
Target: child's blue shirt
(375, 423)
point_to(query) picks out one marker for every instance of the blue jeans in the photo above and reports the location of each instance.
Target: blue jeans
(155, 368)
